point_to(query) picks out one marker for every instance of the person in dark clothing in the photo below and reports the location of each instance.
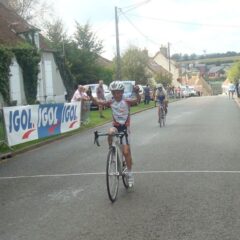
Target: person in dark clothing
(100, 96)
(146, 94)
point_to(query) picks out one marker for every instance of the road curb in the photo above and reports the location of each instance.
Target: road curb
(237, 100)
(6, 155)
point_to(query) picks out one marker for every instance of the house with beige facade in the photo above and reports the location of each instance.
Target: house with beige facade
(161, 58)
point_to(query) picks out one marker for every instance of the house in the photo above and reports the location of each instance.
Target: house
(161, 58)
(153, 69)
(216, 72)
(103, 62)
(15, 30)
(202, 68)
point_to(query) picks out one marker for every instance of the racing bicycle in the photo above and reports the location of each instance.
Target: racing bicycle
(116, 164)
(162, 115)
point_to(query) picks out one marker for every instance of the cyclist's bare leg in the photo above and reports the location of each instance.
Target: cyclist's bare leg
(111, 131)
(166, 106)
(128, 156)
(158, 113)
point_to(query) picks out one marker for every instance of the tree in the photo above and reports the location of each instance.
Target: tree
(81, 55)
(176, 56)
(56, 34)
(86, 40)
(164, 79)
(30, 10)
(234, 73)
(134, 65)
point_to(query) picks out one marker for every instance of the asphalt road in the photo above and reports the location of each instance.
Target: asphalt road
(187, 181)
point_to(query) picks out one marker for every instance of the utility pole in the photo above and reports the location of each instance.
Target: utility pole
(169, 58)
(118, 72)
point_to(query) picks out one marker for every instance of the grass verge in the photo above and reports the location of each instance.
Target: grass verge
(95, 121)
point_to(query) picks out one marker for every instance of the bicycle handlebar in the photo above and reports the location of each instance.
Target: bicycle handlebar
(97, 135)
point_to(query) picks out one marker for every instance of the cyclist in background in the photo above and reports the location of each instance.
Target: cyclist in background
(231, 90)
(121, 119)
(161, 98)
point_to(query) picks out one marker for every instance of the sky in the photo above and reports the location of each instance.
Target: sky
(189, 26)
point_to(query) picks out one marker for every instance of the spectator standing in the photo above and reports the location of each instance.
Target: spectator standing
(146, 94)
(100, 97)
(237, 89)
(81, 95)
(231, 90)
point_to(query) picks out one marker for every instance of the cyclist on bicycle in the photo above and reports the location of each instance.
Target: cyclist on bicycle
(121, 119)
(161, 98)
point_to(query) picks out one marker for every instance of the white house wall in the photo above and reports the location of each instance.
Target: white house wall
(16, 84)
(50, 84)
(164, 62)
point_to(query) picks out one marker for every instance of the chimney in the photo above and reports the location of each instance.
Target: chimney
(164, 51)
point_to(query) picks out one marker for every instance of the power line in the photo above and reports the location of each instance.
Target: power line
(138, 30)
(133, 6)
(187, 23)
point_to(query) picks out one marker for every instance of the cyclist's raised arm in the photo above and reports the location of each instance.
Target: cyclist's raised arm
(137, 100)
(99, 101)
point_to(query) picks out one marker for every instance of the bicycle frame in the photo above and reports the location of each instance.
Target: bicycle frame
(161, 114)
(119, 163)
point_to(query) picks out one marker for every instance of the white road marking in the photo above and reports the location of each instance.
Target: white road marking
(52, 175)
(190, 171)
(103, 173)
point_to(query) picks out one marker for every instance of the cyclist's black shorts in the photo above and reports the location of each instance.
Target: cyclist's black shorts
(121, 128)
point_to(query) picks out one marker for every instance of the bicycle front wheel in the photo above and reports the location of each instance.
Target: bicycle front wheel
(164, 119)
(112, 174)
(161, 117)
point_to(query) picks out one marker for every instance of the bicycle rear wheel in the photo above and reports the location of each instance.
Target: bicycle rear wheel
(112, 174)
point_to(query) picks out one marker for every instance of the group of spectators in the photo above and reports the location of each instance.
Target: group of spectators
(81, 94)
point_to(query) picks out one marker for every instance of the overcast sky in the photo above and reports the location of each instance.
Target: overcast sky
(190, 26)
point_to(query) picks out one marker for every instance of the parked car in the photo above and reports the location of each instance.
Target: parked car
(107, 92)
(128, 88)
(185, 91)
(192, 91)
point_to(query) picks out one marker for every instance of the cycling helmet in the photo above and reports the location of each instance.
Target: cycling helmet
(116, 85)
(159, 85)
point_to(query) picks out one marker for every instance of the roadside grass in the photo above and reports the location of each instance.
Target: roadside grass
(94, 121)
(214, 60)
(1, 132)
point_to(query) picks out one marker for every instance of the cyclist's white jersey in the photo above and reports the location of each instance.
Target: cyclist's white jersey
(161, 95)
(120, 112)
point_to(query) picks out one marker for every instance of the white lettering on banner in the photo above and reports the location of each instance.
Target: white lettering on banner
(47, 116)
(20, 120)
(31, 122)
(69, 113)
